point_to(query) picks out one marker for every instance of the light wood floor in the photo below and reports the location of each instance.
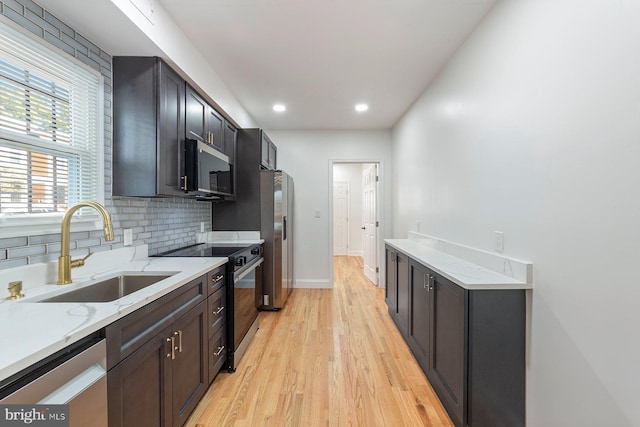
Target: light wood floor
(329, 358)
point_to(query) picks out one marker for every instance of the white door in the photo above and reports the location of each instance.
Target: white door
(340, 217)
(370, 221)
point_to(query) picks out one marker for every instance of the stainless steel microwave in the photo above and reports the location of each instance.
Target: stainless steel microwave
(208, 172)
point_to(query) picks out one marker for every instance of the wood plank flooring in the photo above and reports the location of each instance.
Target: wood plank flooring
(331, 357)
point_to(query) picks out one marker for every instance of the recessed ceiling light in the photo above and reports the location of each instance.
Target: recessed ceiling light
(279, 108)
(360, 108)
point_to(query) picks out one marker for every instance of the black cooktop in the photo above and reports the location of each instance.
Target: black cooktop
(205, 250)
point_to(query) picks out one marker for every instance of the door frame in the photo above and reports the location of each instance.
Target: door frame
(379, 213)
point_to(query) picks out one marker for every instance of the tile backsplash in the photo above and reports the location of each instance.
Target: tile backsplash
(161, 223)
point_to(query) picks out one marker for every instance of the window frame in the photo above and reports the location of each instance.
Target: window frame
(32, 224)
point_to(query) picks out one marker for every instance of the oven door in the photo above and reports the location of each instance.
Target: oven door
(245, 284)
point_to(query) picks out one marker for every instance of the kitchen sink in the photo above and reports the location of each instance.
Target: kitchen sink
(110, 289)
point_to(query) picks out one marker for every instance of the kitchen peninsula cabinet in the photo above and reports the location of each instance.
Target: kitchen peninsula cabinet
(149, 128)
(157, 359)
(470, 343)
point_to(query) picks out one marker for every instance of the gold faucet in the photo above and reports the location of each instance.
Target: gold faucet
(65, 263)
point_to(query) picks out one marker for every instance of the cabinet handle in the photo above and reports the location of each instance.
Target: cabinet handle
(173, 349)
(424, 282)
(217, 279)
(431, 282)
(179, 334)
(217, 353)
(184, 178)
(218, 311)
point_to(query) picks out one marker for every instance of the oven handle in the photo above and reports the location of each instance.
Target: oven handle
(247, 270)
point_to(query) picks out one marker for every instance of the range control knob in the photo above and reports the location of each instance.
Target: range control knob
(256, 250)
(240, 261)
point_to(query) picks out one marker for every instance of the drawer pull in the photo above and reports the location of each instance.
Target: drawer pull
(179, 334)
(217, 279)
(218, 311)
(219, 352)
(172, 340)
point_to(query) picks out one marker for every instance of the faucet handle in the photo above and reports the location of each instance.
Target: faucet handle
(80, 262)
(15, 290)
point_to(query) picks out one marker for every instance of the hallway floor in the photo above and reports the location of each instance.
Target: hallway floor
(331, 357)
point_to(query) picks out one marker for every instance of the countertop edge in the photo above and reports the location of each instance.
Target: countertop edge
(421, 254)
(107, 312)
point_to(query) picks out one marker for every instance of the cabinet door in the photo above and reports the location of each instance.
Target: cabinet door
(273, 153)
(190, 377)
(391, 290)
(402, 316)
(264, 152)
(215, 129)
(448, 344)
(196, 116)
(268, 152)
(136, 387)
(171, 131)
(230, 140)
(420, 313)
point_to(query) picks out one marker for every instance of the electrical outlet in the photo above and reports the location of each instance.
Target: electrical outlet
(499, 241)
(202, 227)
(316, 213)
(128, 237)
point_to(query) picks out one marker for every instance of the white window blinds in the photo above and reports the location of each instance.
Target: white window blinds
(50, 129)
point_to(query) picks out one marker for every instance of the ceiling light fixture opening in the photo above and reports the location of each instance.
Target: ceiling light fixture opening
(279, 108)
(361, 108)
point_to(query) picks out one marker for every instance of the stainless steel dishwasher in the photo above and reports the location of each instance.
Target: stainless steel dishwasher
(75, 376)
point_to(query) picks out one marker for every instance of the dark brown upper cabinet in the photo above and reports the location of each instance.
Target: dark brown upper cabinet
(268, 153)
(203, 122)
(149, 128)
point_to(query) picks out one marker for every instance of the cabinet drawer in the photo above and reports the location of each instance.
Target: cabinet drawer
(217, 354)
(216, 279)
(217, 310)
(126, 335)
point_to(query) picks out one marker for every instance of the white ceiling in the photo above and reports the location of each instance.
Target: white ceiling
(318, 57)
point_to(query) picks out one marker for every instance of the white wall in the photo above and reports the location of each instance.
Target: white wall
(160, 28)
(533, 129)
(307, 156)
(352, 173)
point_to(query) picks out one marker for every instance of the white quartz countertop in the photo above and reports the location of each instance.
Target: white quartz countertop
(32, 331)
(463, 273)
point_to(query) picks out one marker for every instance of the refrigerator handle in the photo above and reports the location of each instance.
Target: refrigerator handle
(284, 227)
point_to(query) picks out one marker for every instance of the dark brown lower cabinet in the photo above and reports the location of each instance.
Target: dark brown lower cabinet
(419, 339)
(189, 369)
(448, 362)
(162, 382)
(135, 387)
(469, 343)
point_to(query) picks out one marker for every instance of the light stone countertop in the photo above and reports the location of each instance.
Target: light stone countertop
(32, 331)
(463, 273)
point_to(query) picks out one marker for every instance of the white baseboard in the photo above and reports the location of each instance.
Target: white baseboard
(356, 253)
(313, 284)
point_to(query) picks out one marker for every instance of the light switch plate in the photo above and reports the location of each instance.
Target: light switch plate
(499, 241)
(128, 237)
(316, 213)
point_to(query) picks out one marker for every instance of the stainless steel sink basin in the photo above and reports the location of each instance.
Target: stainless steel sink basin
(109, 289)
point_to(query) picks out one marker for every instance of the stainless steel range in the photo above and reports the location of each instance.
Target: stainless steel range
(244, 290)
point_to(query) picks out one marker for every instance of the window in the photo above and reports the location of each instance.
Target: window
(51, 147)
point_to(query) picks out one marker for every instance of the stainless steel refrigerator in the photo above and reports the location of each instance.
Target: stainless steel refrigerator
(276, 212)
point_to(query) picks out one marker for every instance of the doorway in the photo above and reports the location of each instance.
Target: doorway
(355, 220)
